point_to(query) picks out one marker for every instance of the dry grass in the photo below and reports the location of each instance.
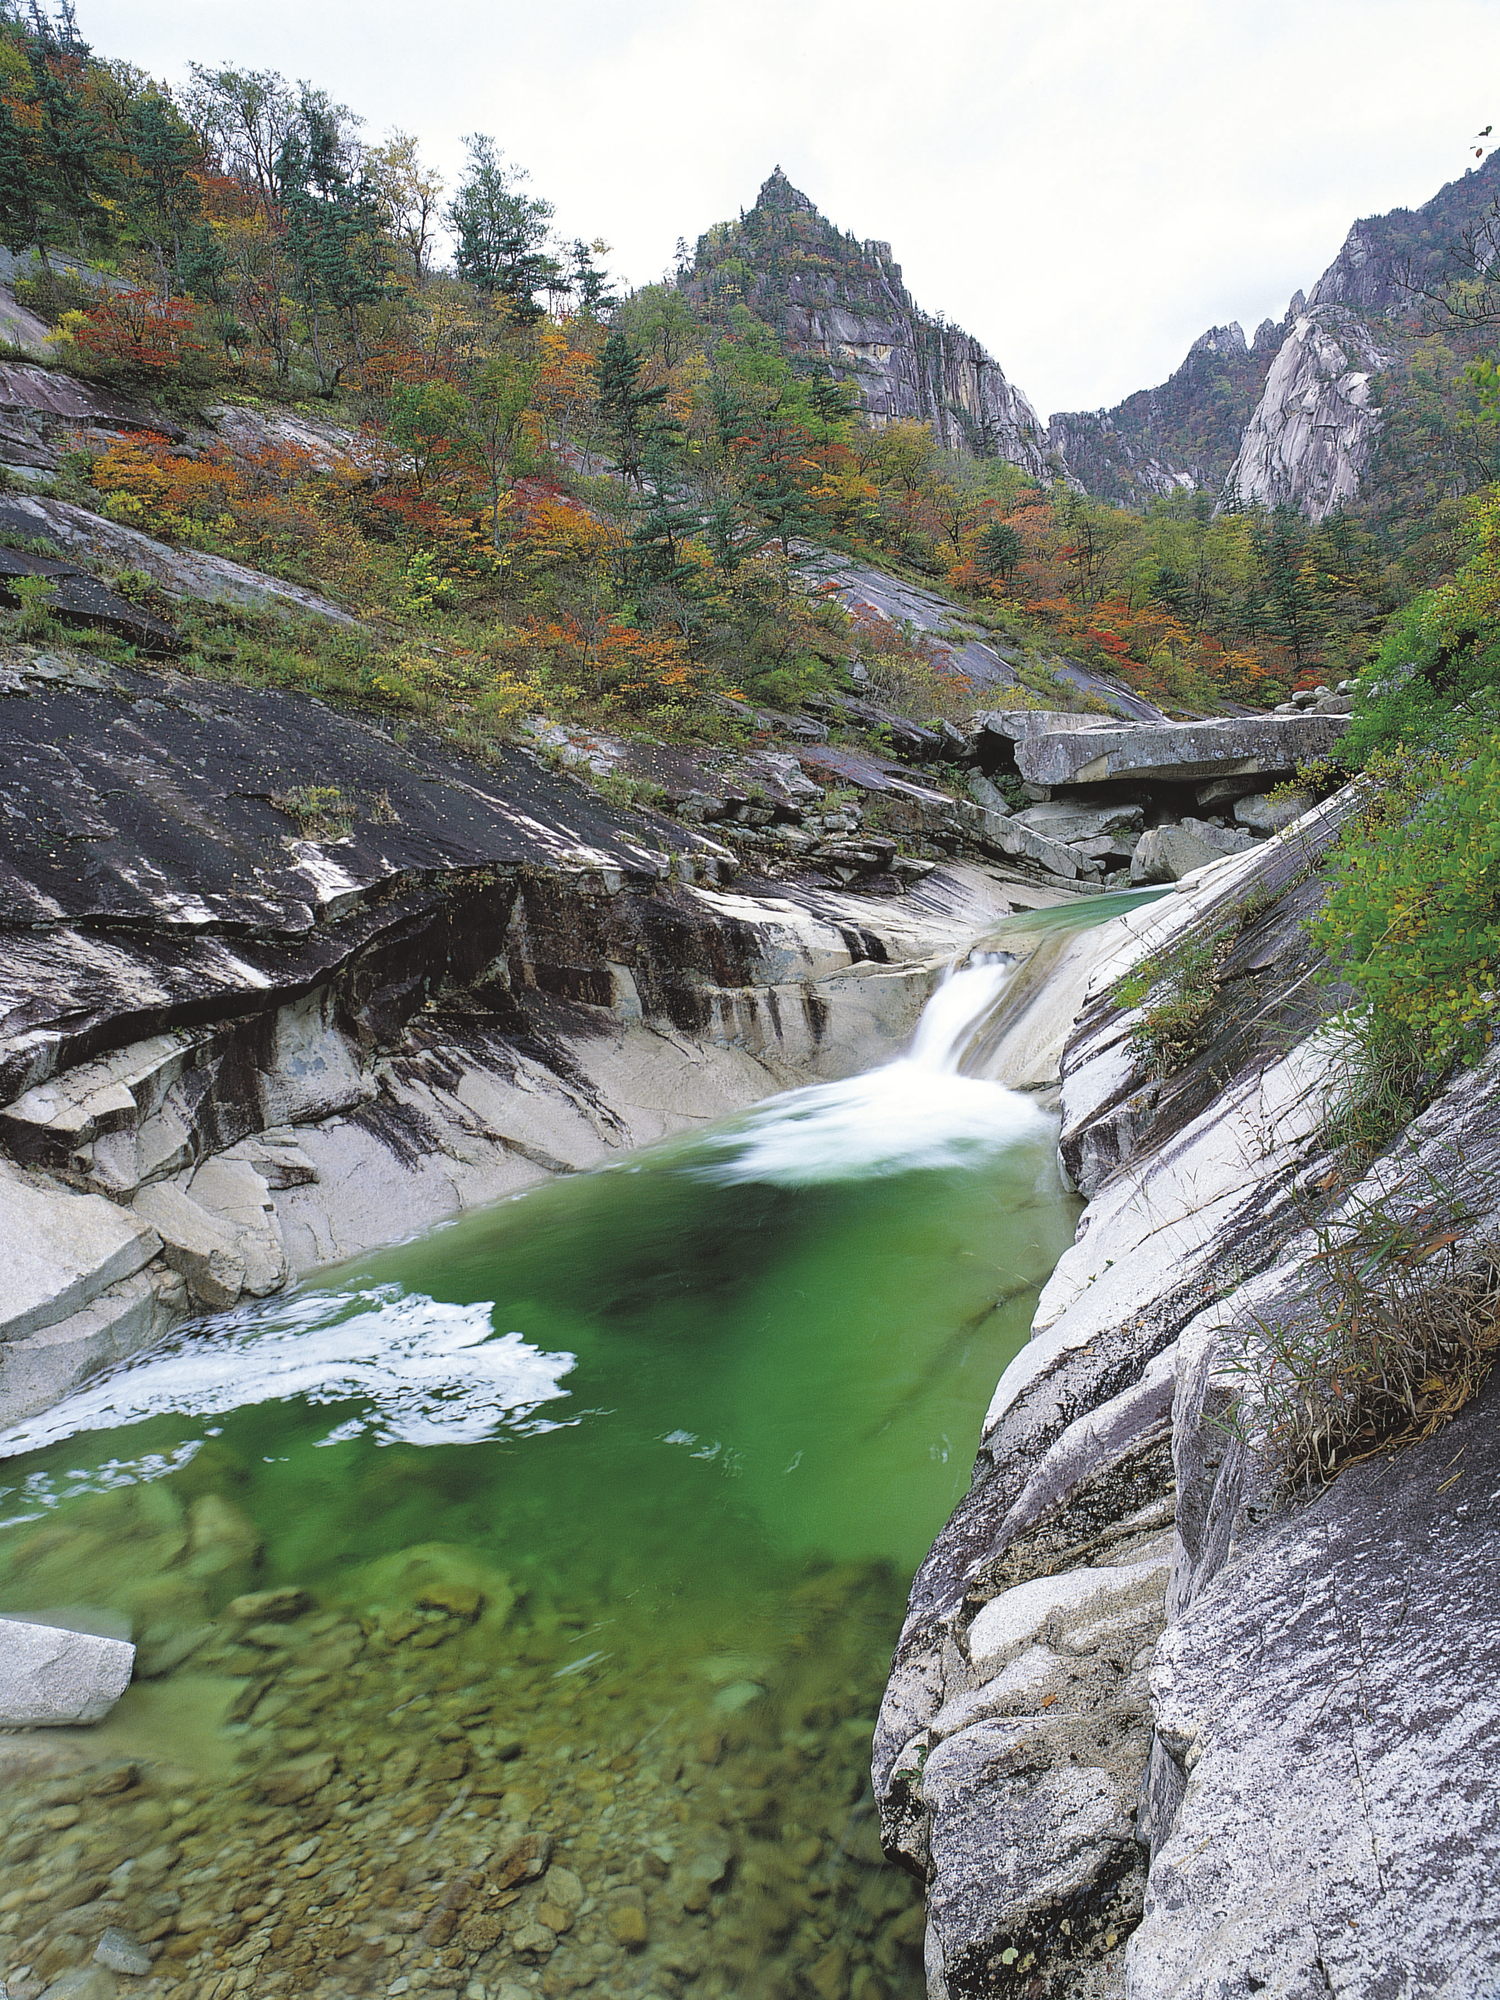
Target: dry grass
(1396, 1331)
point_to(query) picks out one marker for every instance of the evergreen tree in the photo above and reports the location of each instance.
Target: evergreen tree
(631, 414)
(334, 236)
(76, 177)
(1000, 549)
(25, 188)
(500, 233)
(164, 197)
(591, 287)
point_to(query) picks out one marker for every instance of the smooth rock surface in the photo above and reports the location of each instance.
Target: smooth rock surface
(1332, 1694)
(53, 1677)
(1167, 853)
(1314, 429)
(1236, 746)
(62, 1251)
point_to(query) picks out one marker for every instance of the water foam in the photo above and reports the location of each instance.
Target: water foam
(425, 1372)
(916, 1113)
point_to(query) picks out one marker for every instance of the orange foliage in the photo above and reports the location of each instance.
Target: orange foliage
(619, 663)
(138, 329)
(546, 530)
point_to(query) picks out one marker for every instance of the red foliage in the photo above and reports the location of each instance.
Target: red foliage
(141, 330)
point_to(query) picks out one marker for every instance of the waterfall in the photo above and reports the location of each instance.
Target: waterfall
(919, 1111)
(955, 1011)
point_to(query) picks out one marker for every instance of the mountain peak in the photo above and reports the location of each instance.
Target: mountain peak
(777, 192)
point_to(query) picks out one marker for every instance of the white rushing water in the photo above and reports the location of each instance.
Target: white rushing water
(917, 1112)
(420, 1371)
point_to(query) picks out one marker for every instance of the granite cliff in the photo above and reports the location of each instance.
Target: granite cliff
(1158, 1725)
(842, 302)
(1292, 417)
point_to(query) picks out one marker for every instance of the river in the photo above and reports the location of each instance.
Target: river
(514, 1605)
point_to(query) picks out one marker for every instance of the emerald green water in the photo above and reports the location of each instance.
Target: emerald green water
(668, 1441)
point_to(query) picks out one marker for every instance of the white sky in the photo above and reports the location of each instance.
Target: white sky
(1085, 185)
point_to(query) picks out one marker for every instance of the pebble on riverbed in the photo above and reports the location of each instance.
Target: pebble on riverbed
(315, 1804)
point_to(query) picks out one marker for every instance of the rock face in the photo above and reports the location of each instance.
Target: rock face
(1184, 434)
(1315, 1793)
(1315, 428)
(1288, 416)
(179, 572)
(844, 303)
(51, 1676)
(1332, 1694)
(1075, 1470)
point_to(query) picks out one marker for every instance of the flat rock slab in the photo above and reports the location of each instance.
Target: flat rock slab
(62, 399)
(1239, 746)
(52, 1677)
(1333, 1695)
(80, 599)
(62, 1250)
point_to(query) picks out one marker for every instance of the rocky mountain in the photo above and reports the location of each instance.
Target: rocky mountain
(840, 301)
(1293, 416)
(1315, 428)
(1184, 434)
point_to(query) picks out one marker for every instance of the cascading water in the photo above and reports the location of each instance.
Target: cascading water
(917, 1113)
(603, 1502)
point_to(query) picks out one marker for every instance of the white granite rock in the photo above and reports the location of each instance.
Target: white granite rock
(52, 1677)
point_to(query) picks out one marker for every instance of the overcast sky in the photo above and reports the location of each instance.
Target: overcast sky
(1085, 185)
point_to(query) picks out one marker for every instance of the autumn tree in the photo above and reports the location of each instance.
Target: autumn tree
(411, 199)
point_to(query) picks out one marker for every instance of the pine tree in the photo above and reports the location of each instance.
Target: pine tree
(632, 415)
(500, 232)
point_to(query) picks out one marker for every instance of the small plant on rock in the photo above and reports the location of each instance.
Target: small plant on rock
(321, 811)
(1181, 984)
(1392, 1335)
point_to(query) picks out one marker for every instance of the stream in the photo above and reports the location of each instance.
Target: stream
(513, 1606)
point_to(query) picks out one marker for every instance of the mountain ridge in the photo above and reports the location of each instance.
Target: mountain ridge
(841, 303)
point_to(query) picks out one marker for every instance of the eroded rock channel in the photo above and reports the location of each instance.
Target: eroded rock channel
(511, 1610)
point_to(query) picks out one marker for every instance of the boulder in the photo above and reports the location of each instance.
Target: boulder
(988, 795)
(1263, 814)
(1018, 725)
(206, 1251)
(1221, 792)
(1110, 850)
(1237, 746)
(1167, 853)
(233, 1191)
(122, 1320)
(1060, 819)
(53, 1677)
(1008, 836)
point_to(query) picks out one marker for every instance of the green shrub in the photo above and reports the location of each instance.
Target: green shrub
(1412, 917)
